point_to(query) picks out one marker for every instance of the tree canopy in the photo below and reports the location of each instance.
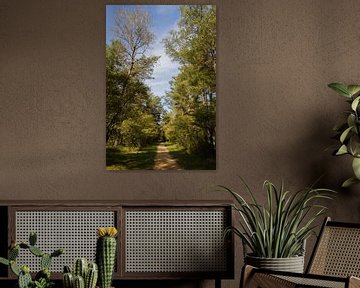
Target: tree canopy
(127, 68)
(192, 119)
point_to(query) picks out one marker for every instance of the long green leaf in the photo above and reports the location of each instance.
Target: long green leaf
(280, 228)
(340, 88)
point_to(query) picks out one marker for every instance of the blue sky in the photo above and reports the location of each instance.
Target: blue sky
(164, 19)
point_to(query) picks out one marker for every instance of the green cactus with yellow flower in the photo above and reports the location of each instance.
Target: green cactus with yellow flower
(106, 254)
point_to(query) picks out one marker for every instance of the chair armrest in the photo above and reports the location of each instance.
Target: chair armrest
(354, 282)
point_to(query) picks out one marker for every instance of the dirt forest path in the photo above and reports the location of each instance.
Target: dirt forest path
(163, 159)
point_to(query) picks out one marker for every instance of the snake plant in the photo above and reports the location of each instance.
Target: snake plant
(279, 228)
(348, 132)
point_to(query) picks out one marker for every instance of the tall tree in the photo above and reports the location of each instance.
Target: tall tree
(193, 90)
(127, 67)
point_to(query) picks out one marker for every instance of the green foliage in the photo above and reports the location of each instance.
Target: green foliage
(140, 131)
(195, 161)
(193, 91)
(124, 158)
(42, 278)
(279, 229)
(349, 131)
(127, 68)
(182, 129)
(43, 283)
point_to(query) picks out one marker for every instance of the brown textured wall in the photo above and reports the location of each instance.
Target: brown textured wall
(275, 112)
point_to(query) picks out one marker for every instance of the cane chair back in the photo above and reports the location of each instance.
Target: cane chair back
(337, 252)
(335, 262)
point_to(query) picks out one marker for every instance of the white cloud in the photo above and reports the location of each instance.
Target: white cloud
(164, 70)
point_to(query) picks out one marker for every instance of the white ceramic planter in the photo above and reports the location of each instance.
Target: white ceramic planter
(291, 264)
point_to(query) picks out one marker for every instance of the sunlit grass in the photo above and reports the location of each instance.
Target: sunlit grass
(191, 161)
(125, 158)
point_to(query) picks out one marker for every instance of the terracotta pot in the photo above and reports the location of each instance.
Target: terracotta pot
(291, 264)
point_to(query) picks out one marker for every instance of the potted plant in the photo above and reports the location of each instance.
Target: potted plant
(276, 233)
(348, 132)
(42, 278)
(84, 274)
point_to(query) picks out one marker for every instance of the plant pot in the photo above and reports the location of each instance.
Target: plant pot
(291, 264)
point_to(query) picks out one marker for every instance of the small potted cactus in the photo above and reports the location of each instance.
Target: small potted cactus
(42, 278)
(85, 275)
(106, 254)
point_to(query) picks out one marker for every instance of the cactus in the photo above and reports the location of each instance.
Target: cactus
(57, 252)
(87, 272)
(45, 261)
(4, 261)
(14, 268)
(68, 280)
(106, 254)
(79, 282)
(67, 269)
(91, 276)
(13, 253)
(36, 251)
(24, 280)
(80, 267)
(32, 238)
(42, 278)
(24, 245)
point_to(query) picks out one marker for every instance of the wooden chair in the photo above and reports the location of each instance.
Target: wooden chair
(335, 262)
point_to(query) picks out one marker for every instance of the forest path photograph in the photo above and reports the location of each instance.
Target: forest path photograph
(160, 87)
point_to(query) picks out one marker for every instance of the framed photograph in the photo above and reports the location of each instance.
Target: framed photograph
(161, 87)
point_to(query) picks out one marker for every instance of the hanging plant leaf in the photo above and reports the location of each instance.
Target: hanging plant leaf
(353, 89)
(354, 145)
(342, 150)
(340, 88)
(351, 120)
(345, 134)
(355, 103)
(349, 182)
(356, 167)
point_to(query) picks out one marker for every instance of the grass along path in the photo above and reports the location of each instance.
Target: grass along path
(125, 158)
(191, 161)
